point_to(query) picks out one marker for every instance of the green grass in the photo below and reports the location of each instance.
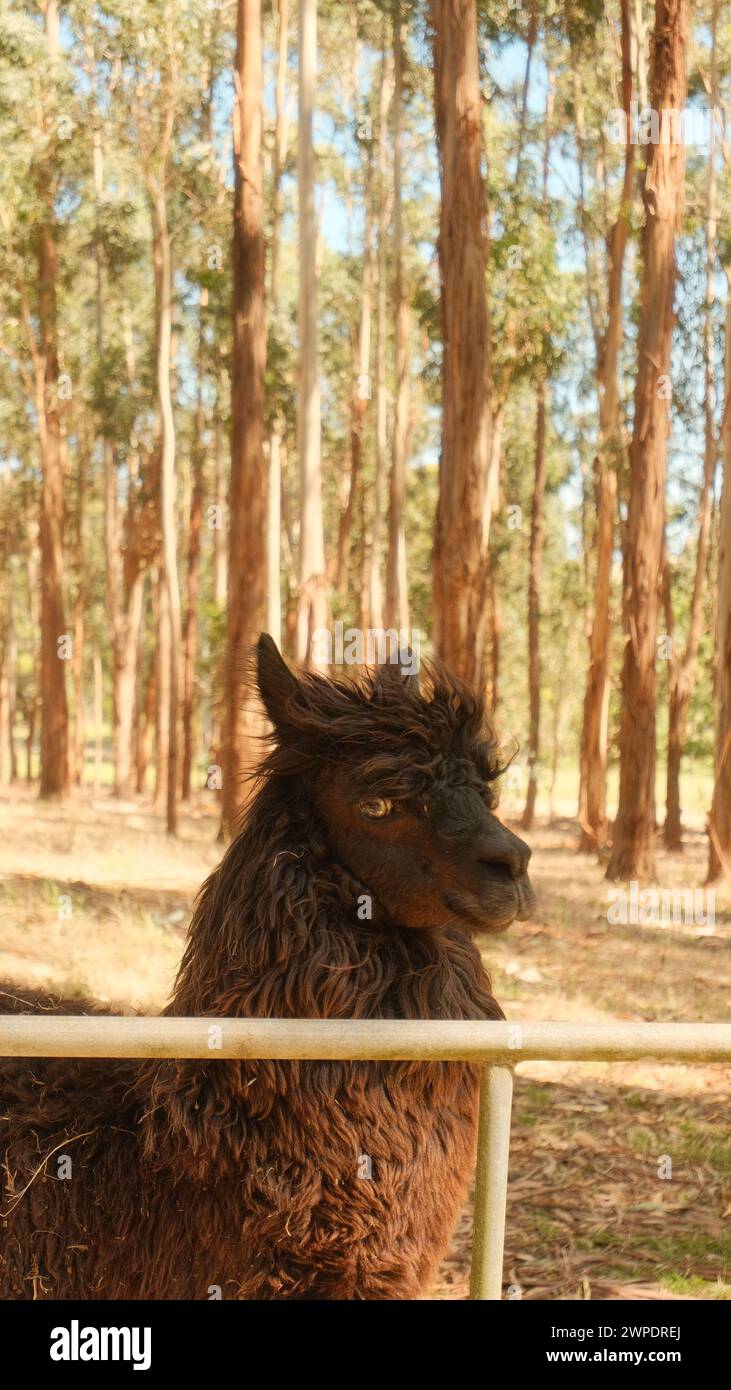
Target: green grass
(691, 1287)
(701, 1144)
(693, 1244)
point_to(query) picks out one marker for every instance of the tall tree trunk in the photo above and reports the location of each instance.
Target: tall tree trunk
(593, 752)
(639, 29)
(220, 547)
(220, 572)
(462, 521)
(312, 607)
(98, 718)
(274, 514)
(719, 822)
(34, 604)
(124, 611)
(247, 562)
(633, 850)
(125, 686)
(124, 576)
(146, 723)
(682, 669)
(77, 658)
(556, 741)
(167, 491)
(534, 604)
(54, 707)
(493, 585)
(397, 595)
(375, 578)
(125, 591)
(190, 635)
(32, 721)
(162, 691)
(359, 398)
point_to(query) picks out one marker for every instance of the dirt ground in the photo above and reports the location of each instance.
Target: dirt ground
(95, 899)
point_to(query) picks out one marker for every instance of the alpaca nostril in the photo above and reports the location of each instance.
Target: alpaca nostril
(502, 860)
(509, 852)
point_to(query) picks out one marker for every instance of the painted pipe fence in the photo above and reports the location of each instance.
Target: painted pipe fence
(497, 1047)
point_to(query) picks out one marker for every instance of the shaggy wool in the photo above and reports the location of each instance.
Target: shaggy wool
(270, 1179)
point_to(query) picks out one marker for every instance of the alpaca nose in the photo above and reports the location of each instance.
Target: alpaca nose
(505, 848)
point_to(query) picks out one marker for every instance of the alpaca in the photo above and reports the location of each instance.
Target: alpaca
(368, 858)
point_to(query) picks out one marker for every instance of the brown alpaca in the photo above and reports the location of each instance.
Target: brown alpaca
(368, 856)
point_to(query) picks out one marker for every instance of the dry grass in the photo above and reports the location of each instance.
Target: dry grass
(588, 1216)
(128, 888)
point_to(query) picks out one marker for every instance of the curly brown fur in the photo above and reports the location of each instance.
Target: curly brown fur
(286, 1180)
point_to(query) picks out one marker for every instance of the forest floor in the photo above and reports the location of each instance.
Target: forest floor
(95, 899)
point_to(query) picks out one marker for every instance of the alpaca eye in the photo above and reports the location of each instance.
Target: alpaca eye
(377, 807)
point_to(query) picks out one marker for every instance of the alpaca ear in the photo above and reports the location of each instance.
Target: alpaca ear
(277, 683)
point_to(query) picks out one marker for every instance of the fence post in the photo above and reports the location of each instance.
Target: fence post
(491, 1182)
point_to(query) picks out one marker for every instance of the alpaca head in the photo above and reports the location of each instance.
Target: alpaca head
(402, 782)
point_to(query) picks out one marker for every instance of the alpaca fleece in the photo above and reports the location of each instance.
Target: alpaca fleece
(264, 1179)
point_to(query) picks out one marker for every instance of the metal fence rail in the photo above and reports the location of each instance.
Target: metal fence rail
(496, 1046)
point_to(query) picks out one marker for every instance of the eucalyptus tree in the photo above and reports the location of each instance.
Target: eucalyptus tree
(632, 852)
(37, 115)
(462, 519)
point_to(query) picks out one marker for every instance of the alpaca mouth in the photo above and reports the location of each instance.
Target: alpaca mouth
(526, 899)
(494, 914)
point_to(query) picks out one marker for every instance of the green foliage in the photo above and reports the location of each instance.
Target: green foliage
(121, 69)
